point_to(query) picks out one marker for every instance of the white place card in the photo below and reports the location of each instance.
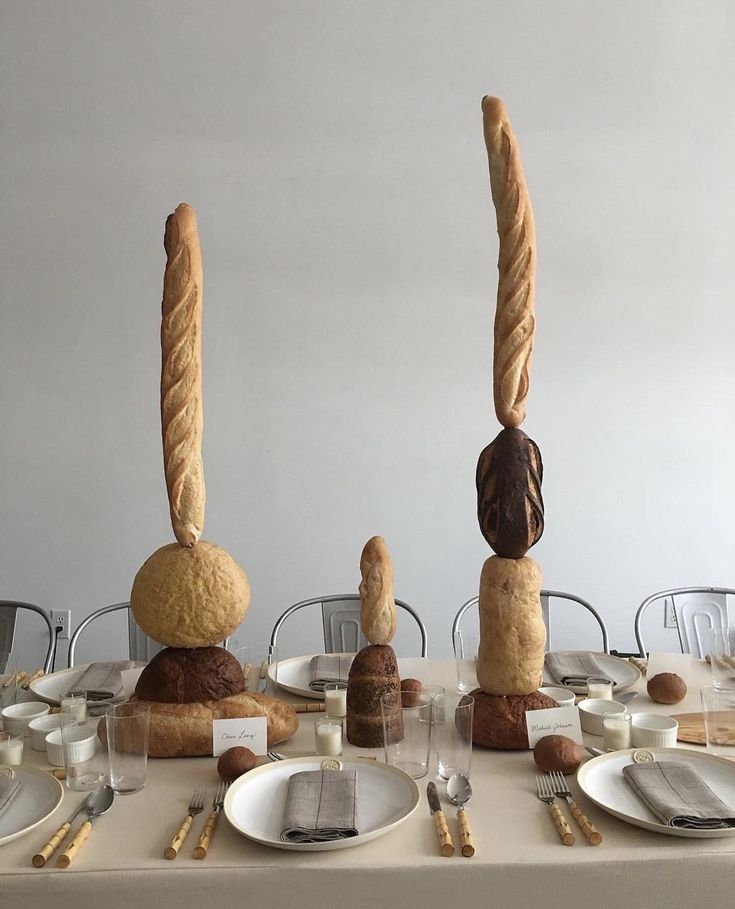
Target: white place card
(130, 680)
(249, 732)
(553, 721)
(680, 663)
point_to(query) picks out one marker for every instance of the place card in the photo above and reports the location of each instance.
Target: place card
(130, 680)
(680, 663)
(248, 732)
(553, 721)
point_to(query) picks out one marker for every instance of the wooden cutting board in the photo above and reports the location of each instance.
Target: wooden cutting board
(691, 728)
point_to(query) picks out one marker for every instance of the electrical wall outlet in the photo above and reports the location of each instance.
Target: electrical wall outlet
(669, 614)
(61, 620)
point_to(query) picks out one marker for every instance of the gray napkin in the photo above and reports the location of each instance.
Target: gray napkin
(103, 677)
(329, 667)
(566, 666)
(321, 805)
(678, 795)
(9, 788)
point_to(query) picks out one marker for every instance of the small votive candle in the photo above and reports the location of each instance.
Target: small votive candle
(328, 735)
(75, 703)
(601, 689)
(616, 728)
(11, 749)
(335, 700)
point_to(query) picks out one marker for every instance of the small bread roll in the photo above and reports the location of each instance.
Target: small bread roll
(181, 375)
(514, 314)
(377, 605)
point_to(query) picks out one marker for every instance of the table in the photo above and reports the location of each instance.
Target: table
(519, 861)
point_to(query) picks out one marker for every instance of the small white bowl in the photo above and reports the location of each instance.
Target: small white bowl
(40, 728)
(563, 696)
(81, 744)
(592, 710)
(16, 717)
(652, 730)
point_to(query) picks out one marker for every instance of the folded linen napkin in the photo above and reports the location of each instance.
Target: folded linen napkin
(104, 677)
(676, 793)
(329, 667)
(321, 805)
(571, 665)
(9, 788)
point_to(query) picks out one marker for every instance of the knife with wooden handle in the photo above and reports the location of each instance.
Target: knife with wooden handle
(440, 822)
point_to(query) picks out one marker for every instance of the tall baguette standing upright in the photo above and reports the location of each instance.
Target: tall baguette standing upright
(181, 375)
(514, 314)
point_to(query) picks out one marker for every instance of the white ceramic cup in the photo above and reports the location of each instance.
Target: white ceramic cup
(80, 743)
(592, 710)
(652, 730)
(563, 696)
(16, 717)
(40, 728)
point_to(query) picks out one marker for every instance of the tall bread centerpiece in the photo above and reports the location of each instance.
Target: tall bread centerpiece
(510, 508)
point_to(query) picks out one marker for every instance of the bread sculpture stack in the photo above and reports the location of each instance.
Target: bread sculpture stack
(191, 594)
(510, 509)
(374, 671)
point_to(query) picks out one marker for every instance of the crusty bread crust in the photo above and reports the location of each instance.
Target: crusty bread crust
(514, 314)
(181, 375)
(377, 604)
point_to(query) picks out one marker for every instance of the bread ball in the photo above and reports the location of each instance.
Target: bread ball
(557, 752)
(190, 596)
(667, 688)
(410, 689)
(235, 761)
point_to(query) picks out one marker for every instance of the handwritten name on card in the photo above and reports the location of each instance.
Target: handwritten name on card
(553, 721)
(250, 732)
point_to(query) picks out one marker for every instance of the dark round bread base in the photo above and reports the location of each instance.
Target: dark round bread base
(190, 675)
(374, 674)
(500, 719)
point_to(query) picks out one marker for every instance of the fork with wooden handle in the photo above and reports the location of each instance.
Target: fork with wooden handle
(545, 793)
(560, 787)
(196, 804)
(202, 847)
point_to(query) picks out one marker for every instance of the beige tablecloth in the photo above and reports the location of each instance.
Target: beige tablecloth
(519, 861)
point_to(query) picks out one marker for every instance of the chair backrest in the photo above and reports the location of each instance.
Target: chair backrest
(8, 616)
(695, 609)
(140, 646)
(341, 622)
(546, 596)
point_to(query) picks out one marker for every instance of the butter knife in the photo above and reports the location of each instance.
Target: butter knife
(440, 822)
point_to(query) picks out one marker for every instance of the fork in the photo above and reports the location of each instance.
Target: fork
(546, 794)
(196, 804)
(561, 788)
(205, 839)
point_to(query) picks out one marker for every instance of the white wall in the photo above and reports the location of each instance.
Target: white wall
(334, 154)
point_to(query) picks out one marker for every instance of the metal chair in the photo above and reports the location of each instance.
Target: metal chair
(8, 616)
(695, 609)
(140, 646)
(341, 622)
(546, 595)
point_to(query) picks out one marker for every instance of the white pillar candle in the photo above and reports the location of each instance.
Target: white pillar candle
(328, 737)
(75, 703)
(601, 689)
(616, 728)
(335, 701)
(11, 749)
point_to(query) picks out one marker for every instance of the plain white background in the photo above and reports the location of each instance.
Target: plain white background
(334, 154)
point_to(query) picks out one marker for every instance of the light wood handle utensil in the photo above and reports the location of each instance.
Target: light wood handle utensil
(316, 707)
(594, 837)
(465, 834)
(562, 825)
(40, 858)
(172, 850)
(65, 859)
(202, 847)
(446, 845)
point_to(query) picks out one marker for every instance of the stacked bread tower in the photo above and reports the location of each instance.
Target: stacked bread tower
(190, 595)
(509, 472)
(374, 671)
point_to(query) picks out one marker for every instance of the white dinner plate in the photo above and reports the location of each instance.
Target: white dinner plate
(255, 802)
(294, 674)
(602, 781)
(623, 673)
(40, 795)
(49, 688)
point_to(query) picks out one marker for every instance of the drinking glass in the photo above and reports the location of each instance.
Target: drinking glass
(718, 708)
(718, 648)
(85, 758)
(407, 733)
(454, 735)
(127, 740)
(466, 646)
(259, 665)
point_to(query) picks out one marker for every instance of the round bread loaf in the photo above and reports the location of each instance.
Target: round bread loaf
(190, 596)
(184, 675)
(499, 721)
(373, 674)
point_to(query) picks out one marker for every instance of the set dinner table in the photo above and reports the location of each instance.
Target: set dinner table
(519, 859)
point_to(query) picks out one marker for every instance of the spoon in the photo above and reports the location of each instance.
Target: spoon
(96, 803)
(459, 792)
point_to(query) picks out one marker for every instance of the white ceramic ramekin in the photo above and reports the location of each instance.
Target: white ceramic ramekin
(592, 710)
(652, 730)
(16, 717)
(40, 728)
(563, 696)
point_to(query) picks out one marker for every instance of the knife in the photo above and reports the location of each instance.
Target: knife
(440, 822)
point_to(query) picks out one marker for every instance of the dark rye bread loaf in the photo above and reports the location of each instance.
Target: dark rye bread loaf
(190, 675)
(374, 674)
(509, 504)
(499, 720)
